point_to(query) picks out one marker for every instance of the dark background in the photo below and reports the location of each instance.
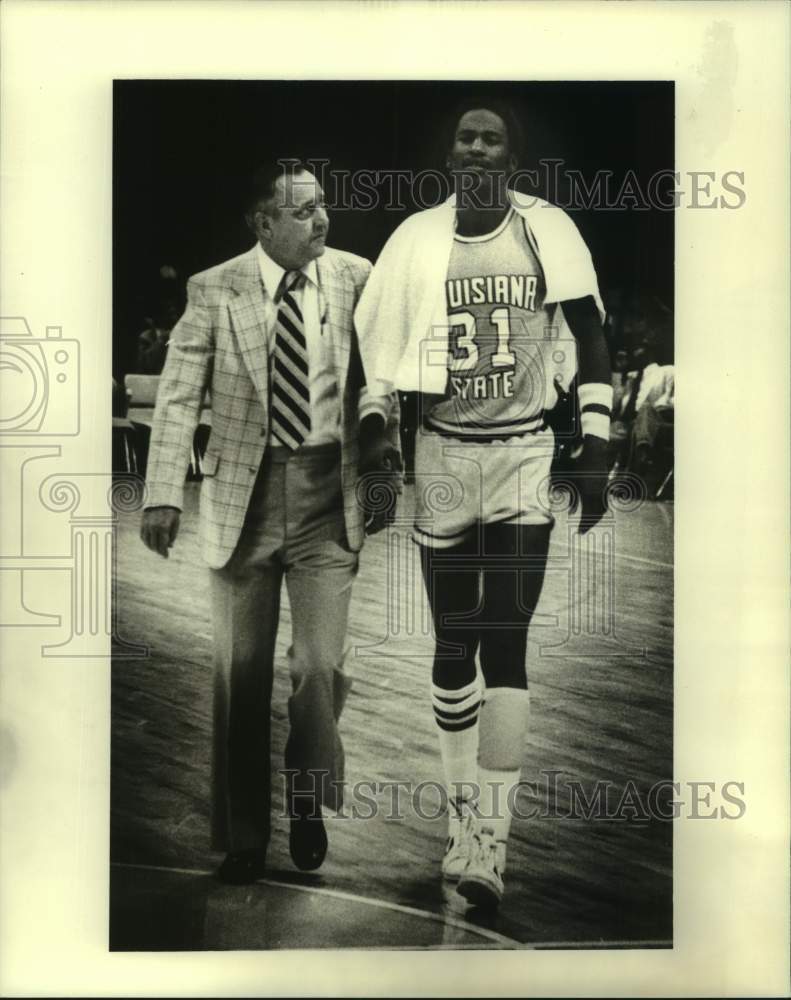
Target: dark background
(183, 149)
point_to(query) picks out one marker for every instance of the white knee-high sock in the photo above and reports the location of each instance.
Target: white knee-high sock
(456, 714)
(503, 729)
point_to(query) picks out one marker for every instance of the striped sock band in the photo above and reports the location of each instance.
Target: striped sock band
(457, 709)
(456, 714)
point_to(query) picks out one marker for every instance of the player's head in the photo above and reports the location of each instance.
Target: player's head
(286, 211)
(483, 134)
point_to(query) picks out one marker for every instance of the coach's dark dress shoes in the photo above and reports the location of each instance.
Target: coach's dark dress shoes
(243, 867)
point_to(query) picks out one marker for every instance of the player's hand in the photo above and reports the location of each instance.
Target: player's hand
(159, 528)
(380, 472)
(591, 477)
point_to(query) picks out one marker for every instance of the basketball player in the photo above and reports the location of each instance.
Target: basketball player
(506, 288)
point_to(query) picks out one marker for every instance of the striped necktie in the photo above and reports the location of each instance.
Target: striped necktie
(290, 405)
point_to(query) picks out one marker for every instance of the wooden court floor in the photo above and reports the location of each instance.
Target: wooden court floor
(601, 679)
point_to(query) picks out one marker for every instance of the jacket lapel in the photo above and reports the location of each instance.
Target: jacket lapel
(249, 318)
(337, 294)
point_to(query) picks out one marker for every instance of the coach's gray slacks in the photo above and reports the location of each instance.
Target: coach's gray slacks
(295, 529)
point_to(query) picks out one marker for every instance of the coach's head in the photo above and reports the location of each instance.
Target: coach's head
(287, 213)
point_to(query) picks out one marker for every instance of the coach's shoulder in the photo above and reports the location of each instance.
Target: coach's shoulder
(220, 276)
(358, 267)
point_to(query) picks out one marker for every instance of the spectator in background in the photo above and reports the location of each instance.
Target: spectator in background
(646, 321)
(620, 363)
(152, 343)
(643, 413)
(613, 320)
(650, 383)
(652, 433)
(120, 401)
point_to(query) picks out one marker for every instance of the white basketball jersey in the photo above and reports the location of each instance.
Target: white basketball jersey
(502, 345)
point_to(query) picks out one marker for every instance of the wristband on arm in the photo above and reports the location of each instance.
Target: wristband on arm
(369, 403)
(595, 409)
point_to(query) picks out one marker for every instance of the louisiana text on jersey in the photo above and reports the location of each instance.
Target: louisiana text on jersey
(501, 338)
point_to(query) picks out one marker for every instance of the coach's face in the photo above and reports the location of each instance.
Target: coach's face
(480, 145)
(292, 226)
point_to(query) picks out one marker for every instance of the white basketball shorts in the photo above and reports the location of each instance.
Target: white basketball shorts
(460, 484)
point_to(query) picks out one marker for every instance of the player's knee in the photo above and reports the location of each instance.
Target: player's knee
(454, 664)
(508, 673)
(503, 657)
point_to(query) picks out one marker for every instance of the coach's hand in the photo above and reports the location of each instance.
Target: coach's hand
(159, 528)
(380, 470)
(591, 469)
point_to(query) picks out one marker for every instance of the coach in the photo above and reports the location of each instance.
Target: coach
(269, 334)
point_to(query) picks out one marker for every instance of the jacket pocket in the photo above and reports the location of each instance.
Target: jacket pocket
(210, 463)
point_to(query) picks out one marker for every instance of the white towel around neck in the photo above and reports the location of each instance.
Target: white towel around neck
(401, 318)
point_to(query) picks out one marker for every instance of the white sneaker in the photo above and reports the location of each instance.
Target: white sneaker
(461, 833)
(481, 884)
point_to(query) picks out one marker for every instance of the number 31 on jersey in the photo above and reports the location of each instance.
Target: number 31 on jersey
(464, 347)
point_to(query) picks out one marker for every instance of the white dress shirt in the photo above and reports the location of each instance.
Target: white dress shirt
(325, 410)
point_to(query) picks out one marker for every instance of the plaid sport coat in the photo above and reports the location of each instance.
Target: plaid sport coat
(220, 344)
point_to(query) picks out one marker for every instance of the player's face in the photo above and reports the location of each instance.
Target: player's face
(293, 225)
(480, 144)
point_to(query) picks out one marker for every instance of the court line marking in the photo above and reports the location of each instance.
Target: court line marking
(454, 922)
(448, 921)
